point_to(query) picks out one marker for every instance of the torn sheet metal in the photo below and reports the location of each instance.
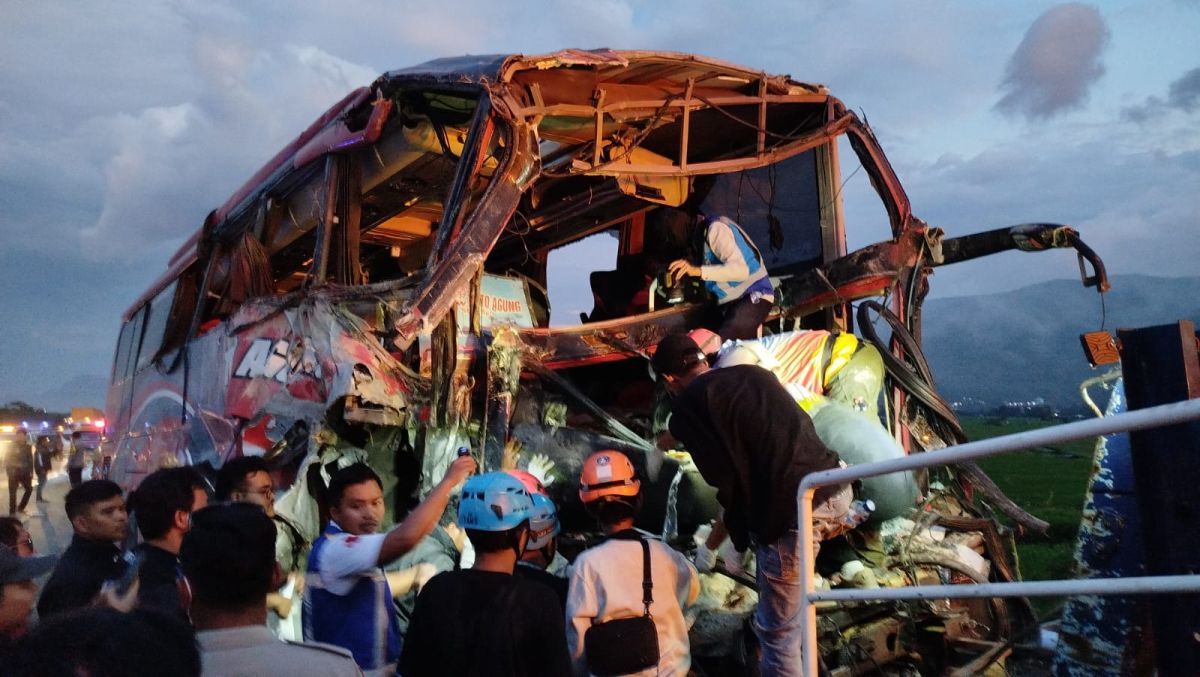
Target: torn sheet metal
(301, 360)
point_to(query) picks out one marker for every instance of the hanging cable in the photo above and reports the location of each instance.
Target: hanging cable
(915, 378)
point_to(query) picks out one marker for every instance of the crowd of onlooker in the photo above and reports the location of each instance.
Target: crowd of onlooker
(217, 580)
(196, 594)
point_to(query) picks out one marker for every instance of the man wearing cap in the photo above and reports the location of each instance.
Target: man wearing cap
(17, 592)
(229, 559)
(750, 441)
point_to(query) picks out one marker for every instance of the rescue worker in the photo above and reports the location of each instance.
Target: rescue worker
(347, 596)
(750, 441)
(229, 559)
(730, 265)
(484, 620)
(549, 558)
(807, 362)
(608, 581)
(541, 553)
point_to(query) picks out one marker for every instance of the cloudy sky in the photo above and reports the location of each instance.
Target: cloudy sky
(123, 123)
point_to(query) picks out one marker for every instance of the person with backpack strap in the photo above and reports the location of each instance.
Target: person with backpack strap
(627, 595)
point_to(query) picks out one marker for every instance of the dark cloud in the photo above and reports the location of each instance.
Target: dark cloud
(1144, 112)
(1138, 209)
(1184, 93)
(1056, 63)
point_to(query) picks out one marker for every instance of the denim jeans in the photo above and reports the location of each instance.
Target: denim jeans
(778, 613)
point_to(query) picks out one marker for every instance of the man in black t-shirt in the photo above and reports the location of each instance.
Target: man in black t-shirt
(752, 442)
(484, 620)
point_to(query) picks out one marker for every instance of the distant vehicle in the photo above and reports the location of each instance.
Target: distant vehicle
(384, 276)
(87, 439)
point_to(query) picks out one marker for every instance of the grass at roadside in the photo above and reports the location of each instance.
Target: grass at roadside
(1050, 483)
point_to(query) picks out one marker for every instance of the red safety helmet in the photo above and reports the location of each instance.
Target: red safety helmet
(532, 484)
(708, 341)
(607, 474)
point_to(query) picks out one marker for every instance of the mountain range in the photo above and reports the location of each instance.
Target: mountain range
(1024, 344)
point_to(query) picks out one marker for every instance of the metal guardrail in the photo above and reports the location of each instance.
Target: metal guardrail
(1154, 417)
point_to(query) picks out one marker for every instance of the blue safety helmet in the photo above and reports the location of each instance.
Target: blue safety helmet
(494, 501)
(543, 525)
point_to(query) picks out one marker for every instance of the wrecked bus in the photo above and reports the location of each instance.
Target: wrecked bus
(378, 291)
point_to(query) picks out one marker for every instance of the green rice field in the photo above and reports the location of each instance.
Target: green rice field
(1050, 483)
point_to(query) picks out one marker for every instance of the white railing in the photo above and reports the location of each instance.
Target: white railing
(1154, 417)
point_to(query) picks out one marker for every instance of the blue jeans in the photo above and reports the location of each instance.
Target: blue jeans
(778, 612)
(777, 616)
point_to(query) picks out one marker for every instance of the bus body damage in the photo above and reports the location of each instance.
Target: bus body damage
(378, 291)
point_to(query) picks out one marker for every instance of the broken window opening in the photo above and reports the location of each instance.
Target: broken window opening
(865, 213)
(779, 207)
(157, 312)
(407, 177)
(581, 281)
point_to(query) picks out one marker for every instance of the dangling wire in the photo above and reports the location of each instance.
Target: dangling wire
(521, 233)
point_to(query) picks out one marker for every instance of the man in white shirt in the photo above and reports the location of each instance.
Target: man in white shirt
(229, 559)
(606, 581)
(730, 265)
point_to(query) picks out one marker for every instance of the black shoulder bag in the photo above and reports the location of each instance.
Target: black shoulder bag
(625, 645)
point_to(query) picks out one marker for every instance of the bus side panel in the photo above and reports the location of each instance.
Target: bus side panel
(158, 429)
(298, 362)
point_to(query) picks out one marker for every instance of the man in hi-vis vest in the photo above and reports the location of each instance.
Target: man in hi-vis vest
(731, 267)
